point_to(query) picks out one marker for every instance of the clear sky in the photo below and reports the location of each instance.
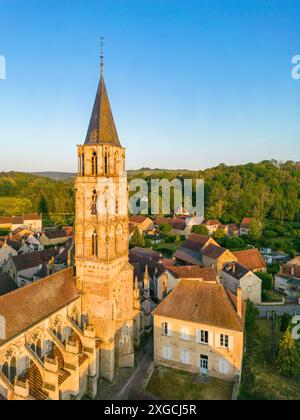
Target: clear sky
(192, 83)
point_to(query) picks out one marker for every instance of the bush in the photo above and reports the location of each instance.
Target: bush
(267, 280)
(200, 229)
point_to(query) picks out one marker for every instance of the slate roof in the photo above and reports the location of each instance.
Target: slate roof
(33, 259)
(7, 284)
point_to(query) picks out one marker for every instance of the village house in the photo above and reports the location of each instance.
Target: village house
(22, 268)
(287, 281)
(6, 251)
(144, 223)
(245, 226)
(212, 226)
(199, 327)
(173, 274)
(235, 276)
(32, 222)
(54, 237)
(217, 257)
(189, 253)
(251, 259)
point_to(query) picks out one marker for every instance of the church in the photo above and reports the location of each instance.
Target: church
(61, 334)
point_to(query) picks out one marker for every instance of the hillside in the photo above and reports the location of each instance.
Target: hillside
(264, 190)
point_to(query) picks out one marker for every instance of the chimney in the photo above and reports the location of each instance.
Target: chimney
(281, 269)
(239, 303)
(233, 268)
(292, 270)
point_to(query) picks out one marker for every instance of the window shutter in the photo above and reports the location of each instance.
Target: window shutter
(169, 330)
(211, 338)
(217, 340)
(230, 342)
(198, 336)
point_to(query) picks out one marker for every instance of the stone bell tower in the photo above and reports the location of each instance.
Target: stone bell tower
(104, 275)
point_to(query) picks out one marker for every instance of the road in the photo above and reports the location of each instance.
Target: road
(136, 379)
(278, 309)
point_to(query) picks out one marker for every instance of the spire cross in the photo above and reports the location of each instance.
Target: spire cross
(101, 54)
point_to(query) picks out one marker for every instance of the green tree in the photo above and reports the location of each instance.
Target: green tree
(267, 280)
(287, 361)
(165, 228)
(251, 315)
(200, 229)
(43, 206)
(219, 234)
(136, 238)
(285, 322)
(255, 230)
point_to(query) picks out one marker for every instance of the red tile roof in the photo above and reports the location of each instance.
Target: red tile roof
(251, 259)
(193, 272)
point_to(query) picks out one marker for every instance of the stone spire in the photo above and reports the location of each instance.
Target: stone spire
(146, 279)
(102, 129)
(136, 295)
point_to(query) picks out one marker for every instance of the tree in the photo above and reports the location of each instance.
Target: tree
(43, 207)
(287, 361)
(251, 315)
(285, 322)
(165, 228)
(219, 234)
(137, 238)
(267, 280)
(200, 229)
(255, 230)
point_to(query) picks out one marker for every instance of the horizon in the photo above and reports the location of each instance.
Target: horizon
(219, 93)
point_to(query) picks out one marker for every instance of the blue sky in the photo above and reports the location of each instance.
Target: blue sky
(192, 83)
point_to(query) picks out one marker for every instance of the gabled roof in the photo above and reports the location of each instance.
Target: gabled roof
(213, 251)
(56, 234)
(102, 127)
(214, 222)
(31, 304)
(246, 222)
(202, 303)
(251, 259)
(193, 272)
(236, 270)
(33, 259)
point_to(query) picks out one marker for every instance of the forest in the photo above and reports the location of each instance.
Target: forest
(268, 190)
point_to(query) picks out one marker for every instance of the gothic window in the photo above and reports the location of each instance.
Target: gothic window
(94, 202)
(94, 164)
(106, 163)
(117, 166)
(95, 244)
(38, 350)
(13, 369)
(82, 165)
(5, 369)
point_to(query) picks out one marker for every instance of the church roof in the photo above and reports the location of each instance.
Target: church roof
(102, 127)
(31, 304)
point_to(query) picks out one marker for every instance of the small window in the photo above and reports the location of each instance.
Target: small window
(202, 336)
(224, 341)
(185, 333)
(94, 164)
(185, 357)
(167, 353)
(166, 329)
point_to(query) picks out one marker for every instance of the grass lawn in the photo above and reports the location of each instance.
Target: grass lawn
(271, 296)
(170, 384)
(268, 384)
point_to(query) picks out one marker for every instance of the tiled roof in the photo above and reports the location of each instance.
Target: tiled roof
(137, 219)
(31, 304)
(34, 216)
(212, 223)
(213, 251)
(193, 272)
(7, 284)
(201, 303)
(34, 259)
(246, 222)
(56, 234)
(251, 259)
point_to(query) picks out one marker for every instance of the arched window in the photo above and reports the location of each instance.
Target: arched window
(13, 369)
(59, 332)
(117, 164)
(106, 163)
(95, 244)
(94, 202)
(94, 164)
(38, 350)
(5, 369)
(82, 165)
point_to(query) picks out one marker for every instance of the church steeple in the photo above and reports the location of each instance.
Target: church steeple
(102, 128)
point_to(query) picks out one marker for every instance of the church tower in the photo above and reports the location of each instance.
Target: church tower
(104, 275)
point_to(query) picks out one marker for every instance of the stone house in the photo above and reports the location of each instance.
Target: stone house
(199, 328)
(54, 237)
(235, 276)
(212, 226)
(287, 281)
(217, 257)
(189, 253)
